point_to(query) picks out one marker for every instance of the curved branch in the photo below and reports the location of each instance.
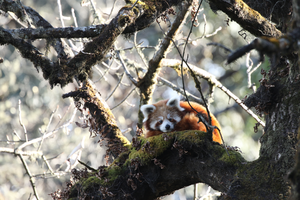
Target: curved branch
(246, 17)
(99, 118)
(160, 165)
(27, 50)
(50, 33)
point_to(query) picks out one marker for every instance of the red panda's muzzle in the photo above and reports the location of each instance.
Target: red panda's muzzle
(166, 126)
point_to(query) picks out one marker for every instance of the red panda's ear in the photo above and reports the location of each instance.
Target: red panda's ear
(175, 102)
(147, 110)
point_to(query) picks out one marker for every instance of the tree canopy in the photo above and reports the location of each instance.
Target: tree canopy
(122, 56)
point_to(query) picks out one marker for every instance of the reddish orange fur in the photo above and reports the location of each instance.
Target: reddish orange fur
(189, 119)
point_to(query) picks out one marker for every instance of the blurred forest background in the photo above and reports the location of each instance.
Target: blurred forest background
(23, 89)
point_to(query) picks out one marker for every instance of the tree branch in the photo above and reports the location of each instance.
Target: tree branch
(145, 172)
(99, 118)
(246, 17)
(50, 33)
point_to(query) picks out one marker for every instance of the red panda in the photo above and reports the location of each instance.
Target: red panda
(175, 115)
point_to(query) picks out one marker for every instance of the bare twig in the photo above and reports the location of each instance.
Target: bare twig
(142, 56)
(60, 14)
(179, 90)
(111, 11)
(125, 69)
(124, 98)
(24, 153)
(30, 142)
(50, 120)
(21, 122)
(118, 84)
(31, 178)
(48, 165)
(16, 134)
(219, 45)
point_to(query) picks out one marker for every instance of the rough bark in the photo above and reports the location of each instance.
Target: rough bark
(150, 168)
(160, 165)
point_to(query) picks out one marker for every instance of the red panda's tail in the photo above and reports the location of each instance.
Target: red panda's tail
(202, 110)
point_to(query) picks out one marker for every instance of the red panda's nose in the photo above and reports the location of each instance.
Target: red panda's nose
(168, 127)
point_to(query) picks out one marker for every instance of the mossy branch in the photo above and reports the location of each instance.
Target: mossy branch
(160, 165)
(246, 17)
(128, 20)
(99, 118)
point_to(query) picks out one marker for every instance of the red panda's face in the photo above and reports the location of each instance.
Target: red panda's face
(162, 116)
(165, 122)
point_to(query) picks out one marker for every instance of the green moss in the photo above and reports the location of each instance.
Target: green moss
(113, 173)
(150, 148)
(149, 6)
(234, 158)
(250, 176)
(154, 146)
(91, 181)
(144, 150)
(196, 137)
(142, 3)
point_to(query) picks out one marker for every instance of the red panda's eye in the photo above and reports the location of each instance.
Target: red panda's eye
(172, 120)
(160, 122)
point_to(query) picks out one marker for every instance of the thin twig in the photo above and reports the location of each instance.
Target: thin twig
(60, 13)
(16, 134)
(134, 3)
(45, 135)
(111, 11)
(219, 45)
(125, 69)
(139, 51)
(21, 123)
(24, 153)
(118, 84)
(48, 165)
(76, 25)
(30, 176)
(179, 90)
(124, 98)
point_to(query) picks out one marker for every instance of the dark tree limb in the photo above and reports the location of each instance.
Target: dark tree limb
(246, 17)
(279, 12)
(32, 18)
(284, 45)
(27, 50)
(50, 33)
(99, 118)
(80, 65)
(17, 8)
(160, 165)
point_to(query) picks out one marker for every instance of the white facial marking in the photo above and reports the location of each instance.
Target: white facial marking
(177, 118)
(166, 126)
(174, 117)
(154, 122)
